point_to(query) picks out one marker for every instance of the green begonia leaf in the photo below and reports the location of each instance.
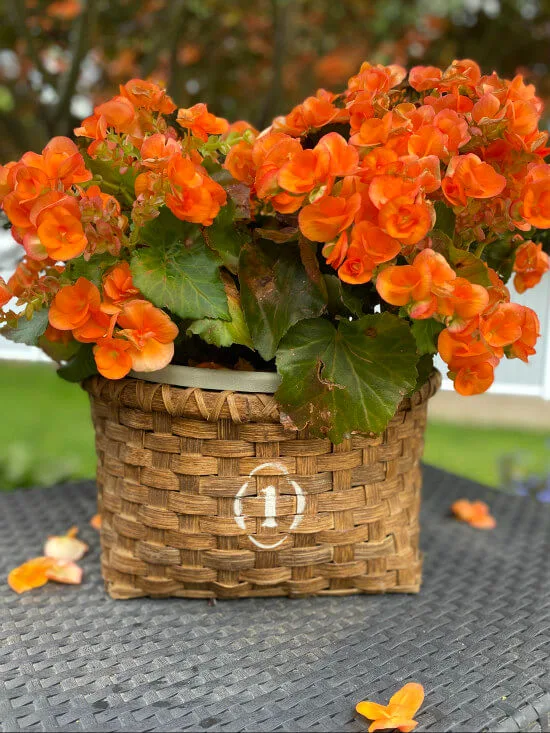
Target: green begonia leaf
(177, 271)
(276, 293)
(349, 379)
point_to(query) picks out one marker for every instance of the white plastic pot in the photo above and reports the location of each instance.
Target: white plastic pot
(217, 379)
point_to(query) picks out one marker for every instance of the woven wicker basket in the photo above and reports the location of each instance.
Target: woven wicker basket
(203, 494)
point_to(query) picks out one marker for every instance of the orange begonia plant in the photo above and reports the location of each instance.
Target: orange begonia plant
(350, 241)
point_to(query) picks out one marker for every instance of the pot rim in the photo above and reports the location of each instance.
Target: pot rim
(212, 379)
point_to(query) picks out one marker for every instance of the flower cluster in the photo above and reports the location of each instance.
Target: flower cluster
(128, 331)
(406, 201)
(399, 160)
(60, 210)
(132, 131)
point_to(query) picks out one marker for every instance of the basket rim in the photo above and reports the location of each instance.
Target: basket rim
(210, 405)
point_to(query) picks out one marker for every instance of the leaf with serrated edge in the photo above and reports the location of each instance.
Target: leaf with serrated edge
(276, 293)
(225, 333)
(177, 271)
(350, 379)
(27, 331)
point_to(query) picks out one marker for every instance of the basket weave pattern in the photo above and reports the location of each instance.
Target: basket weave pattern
(204, 494)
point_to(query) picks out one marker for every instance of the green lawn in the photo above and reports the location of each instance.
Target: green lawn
(45, 431)
(46, 434)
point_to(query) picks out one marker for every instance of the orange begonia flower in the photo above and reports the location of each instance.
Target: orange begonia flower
(427, 141)
(474, 379)
(28, 184)
(398, 714)
(402, 284)
(65, 547)
(239, 162)
(373, 131)
(314, 112)
(194, 205)
(286, 203)
(408, 222)
(201, 122)
(184, 172)
(113, 358)
(469, 177)
(324, 220)
(95, 521)
(146, 95)
(466, 300)
(343, 158)
(376, 162)
(423, 78)
(435, 267)
(157, 150)
(503, 326)
(454, 127)
(305, 170)
(487, 109)
(374, 243)
(151, 334)
(5, 293)
(462, 72)
(73, 304)
(118, 113)
(64, 163)
(61, 233)
(387, 187)
(523, 348)
(96, 327)
(475, 513)
(118, 285)
(357, 267)
(195, 196)
(530, 265)
(458, 350)
(335, 252)
(376, 77)
(355, 270)
(536, 197)
(270, 154)
(522, 116)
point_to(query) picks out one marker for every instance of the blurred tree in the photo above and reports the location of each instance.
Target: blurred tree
(60, 57)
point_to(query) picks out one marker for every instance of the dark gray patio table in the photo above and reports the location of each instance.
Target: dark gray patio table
(477, 636)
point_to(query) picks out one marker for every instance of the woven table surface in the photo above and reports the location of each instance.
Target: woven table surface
(477, 637)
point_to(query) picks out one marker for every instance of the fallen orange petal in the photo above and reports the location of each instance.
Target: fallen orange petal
(398, 713)
(474, 513)
(65, 547)
(95, 521)
(31, 574)
(64, 571)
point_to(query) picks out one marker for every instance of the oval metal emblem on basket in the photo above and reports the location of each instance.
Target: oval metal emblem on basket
(270, 496)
